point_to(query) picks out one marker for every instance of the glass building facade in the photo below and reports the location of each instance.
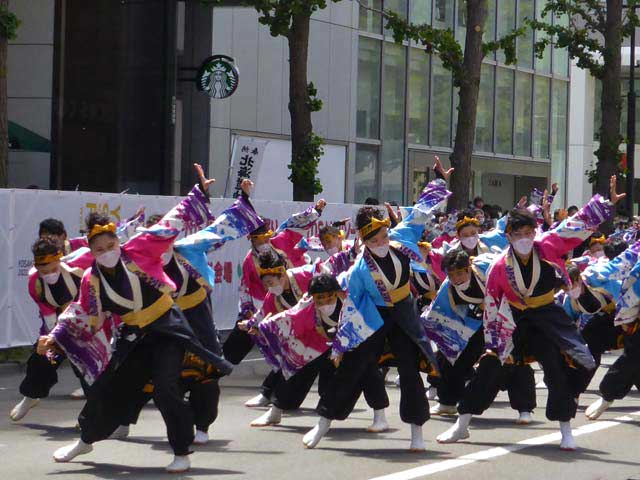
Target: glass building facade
(407, 106)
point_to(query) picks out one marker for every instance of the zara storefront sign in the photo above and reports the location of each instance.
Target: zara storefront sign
(218, 76)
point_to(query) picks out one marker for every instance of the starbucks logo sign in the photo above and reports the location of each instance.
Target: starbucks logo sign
(218, 76)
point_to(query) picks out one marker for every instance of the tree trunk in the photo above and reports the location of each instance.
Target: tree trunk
(468, 104)
(301, 127)
(4, 124)
(611, 102)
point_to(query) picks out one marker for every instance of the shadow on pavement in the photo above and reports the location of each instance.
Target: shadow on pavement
(115, 471)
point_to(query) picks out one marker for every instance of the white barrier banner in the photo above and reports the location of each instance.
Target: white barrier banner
(24, 209)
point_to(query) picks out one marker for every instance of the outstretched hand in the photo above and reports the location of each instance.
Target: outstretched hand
(446, 174)
(321, 204)
(205, 182)
(522, 203)
(615, 196)
(246, 186)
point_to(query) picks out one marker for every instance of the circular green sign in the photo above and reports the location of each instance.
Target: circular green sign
(218, 76)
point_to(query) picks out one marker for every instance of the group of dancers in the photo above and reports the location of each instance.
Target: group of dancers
(468, 305)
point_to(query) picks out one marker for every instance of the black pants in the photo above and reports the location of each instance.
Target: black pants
(601, 336)
(204, 398)
(489, 378)
(289, 394)
(42, 375)
(453, 378)
(621, 376)
(349, 379)
(155, 357)
(237, 345)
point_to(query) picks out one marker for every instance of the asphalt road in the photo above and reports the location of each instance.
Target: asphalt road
(497, 449)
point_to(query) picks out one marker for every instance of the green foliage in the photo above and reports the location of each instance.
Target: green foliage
(304, 168)
(9, 24)
(314, 103)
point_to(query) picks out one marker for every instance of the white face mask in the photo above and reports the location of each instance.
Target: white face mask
(276, 290)
(328, 309)
(109, 259)
(575, 292)
(598, 254)
(380, 252)
(265, 247)
(51, 278)
(523, 246)
(469, 242)
(464, 286)
(332, 250)
(167, 256)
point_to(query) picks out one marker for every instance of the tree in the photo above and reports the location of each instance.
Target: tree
(593, 37)
(465, 69)
(291, 19)
(8, 27)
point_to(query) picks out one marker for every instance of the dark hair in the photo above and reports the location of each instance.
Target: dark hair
(52, 226)
(329, 230)
(519, 218)
(153, 219)
(371, 201)
(323, 283)
(270, 260)
(573, 271)
(264, 228)
(615, 247)
(96, 218)
(477, 199)
(467, 212)
(572, 209)
(364, 216)
(44, 246)
(456, 258)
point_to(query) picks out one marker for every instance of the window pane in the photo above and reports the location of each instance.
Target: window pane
(560, 55)
(368, 119)
(418, 97)
(525, 43)
(490, 26)
(443, 14)
(504, 114)
(484, 117)
(461, 22)
(370, 21)
(393, 122)
(506, 21)
(420, 12)
(365, 177)
(541, 118)
(397, 6)
(543, 64)
(522, 124)
(441, 93)
(559, 131)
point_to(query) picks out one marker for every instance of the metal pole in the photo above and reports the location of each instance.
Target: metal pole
(631, 124)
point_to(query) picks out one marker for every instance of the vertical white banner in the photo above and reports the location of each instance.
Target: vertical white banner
(246, 160)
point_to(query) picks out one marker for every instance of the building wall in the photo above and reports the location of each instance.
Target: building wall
(30, 76)
(260, 104)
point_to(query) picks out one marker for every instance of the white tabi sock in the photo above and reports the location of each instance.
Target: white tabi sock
(597, 408)
(180, 464)
(257, 401)
(273, 416)
(21, 409)
(200, 438)
(417, 440)
(69, 452)
(459, 430)
(313, 436)
(379, 422)
(567, 443)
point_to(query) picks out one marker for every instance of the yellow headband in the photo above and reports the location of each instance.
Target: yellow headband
(262, 236)
(600, 240)
(426, 245)
(329, 236)
(46, 259)
(373, 226)
(98, 229)
(467, 221)
(263, 272)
